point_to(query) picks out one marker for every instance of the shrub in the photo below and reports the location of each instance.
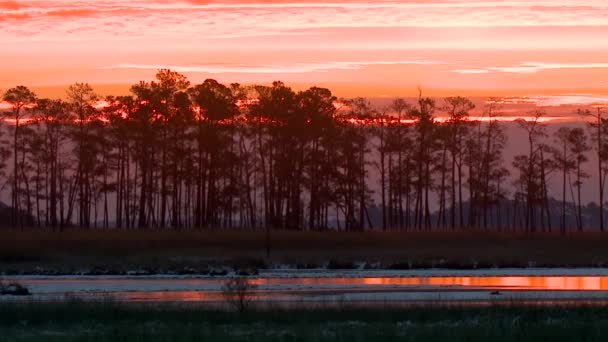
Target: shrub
(238, 292)
(340, 265)
(14, 289)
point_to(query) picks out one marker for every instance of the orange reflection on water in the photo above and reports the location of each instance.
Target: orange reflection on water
(210, 289)
(506, 282)
(166, 296)
(582, 283)
(182, 296)
(295, 287)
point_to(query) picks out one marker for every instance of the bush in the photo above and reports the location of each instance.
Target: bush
(238, 292)
(14, 289)
(340, 265)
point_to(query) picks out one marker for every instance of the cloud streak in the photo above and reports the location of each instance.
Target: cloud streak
(557, 100)
(370, 41)
(249, 18)
(223, 68)
(531, 67)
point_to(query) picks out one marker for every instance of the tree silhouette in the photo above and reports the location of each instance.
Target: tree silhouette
(424, 127)
(224, 156)
(578, 146)
(400, 141)
(490, 172)
(51, 118)
(215, 102)
(531, 177)
(599, 136)
(20, 98)
(81, 99)
(563, 157)
(458, 109)
(317, 109)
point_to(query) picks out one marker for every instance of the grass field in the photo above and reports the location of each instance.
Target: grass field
(76, 321)
(70, 251)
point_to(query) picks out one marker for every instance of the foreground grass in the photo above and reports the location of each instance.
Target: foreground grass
(130, 322)
(119, 251)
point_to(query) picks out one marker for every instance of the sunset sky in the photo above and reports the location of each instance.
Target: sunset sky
(367, 48)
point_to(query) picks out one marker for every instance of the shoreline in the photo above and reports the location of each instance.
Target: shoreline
(284, 271)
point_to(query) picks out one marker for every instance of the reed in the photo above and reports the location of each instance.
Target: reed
(104, 321)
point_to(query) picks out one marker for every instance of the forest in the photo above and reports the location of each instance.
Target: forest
(175, 156)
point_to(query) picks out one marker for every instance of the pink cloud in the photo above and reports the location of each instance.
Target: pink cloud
(250, 18)
(559, 100)
(11, 5)
(532, 67)
(297, 67)
(14, 16)
(76, 12)
(297, 37)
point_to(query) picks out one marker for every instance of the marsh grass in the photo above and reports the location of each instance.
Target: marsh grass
(108, 321)
(116, 252)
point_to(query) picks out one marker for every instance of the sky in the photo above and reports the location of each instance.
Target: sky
(357, 48)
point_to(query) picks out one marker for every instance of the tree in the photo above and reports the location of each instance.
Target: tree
(221, 156)
(530, 173)
(578, 148)
(159, 114)
(423, 116)
(168, 96)
(20, 98)
(402, 172)
(458, 109)
(81, 98)
(214, 102)
(317, 110)
(124, 133)
(51, 117)
(141, 116)
(489, 170)
(599, 137)
(565, 162)
(381, 132)
(442, 167)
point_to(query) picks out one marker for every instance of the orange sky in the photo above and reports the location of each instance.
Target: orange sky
(358, 47)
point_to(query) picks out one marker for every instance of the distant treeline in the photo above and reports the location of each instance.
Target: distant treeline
(175, 155)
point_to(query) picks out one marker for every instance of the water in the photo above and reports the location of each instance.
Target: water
(329, 286)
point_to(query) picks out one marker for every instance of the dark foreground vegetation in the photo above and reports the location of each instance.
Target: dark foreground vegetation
(76, 321)
(174, 155)
(103, 252)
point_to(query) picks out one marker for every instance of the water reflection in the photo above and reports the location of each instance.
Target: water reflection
(574, 283)
(399, 288)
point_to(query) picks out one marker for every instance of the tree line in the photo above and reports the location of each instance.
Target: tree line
(211, 156)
